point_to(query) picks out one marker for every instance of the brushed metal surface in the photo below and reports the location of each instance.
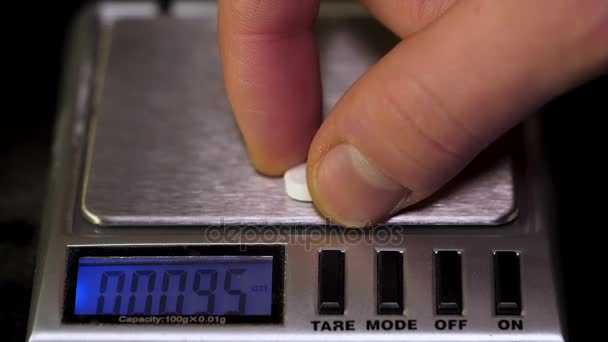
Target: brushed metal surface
(165, 149)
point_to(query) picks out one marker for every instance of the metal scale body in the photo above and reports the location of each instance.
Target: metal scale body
(147, 158)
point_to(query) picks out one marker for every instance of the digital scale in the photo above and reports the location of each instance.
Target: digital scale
(157, 228)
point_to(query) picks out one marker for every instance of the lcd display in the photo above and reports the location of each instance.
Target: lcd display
(182, 285)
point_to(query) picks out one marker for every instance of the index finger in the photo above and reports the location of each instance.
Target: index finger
(271, 72)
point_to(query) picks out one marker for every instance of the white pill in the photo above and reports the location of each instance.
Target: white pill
(295, 183)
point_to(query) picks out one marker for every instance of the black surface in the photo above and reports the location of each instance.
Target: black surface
(576, 141)
(507, 283)
(448, 283)
(331, 282)
(389, 282)
(32, 51)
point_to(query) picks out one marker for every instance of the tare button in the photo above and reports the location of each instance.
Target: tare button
(331, 282)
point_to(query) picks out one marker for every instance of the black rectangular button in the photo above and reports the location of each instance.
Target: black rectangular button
(507, 283)
(389, 282)
(448, 283)
(331, 282)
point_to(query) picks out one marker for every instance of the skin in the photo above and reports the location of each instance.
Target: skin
(468, 71)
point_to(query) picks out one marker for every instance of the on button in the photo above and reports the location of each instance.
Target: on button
(507, 287)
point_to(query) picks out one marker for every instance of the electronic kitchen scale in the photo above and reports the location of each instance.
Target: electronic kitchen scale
(157, 228)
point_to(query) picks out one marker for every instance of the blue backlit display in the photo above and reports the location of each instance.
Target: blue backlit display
(154, 286)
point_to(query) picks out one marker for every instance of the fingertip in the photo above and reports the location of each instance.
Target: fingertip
(349, 189)
(272, 79)
(274, 146)
(271, 166)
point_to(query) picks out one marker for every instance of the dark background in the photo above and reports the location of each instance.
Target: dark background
(34, 42)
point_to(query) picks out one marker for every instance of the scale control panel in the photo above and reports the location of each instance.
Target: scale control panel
(245, 284)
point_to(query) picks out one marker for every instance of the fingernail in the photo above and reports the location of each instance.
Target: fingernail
(352, 190)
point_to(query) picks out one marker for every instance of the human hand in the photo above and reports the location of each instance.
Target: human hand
(468, 71)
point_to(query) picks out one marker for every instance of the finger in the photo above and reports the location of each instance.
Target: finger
(427, 108)
(272, 77)
(405, 17)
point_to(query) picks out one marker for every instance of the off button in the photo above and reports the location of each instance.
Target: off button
(448, 283)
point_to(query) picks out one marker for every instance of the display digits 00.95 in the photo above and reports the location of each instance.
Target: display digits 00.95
(210, 287)
(204, 288)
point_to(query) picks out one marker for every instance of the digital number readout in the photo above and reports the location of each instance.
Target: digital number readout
(154, 286)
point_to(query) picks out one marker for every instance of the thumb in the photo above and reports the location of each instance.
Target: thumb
(435, 101)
